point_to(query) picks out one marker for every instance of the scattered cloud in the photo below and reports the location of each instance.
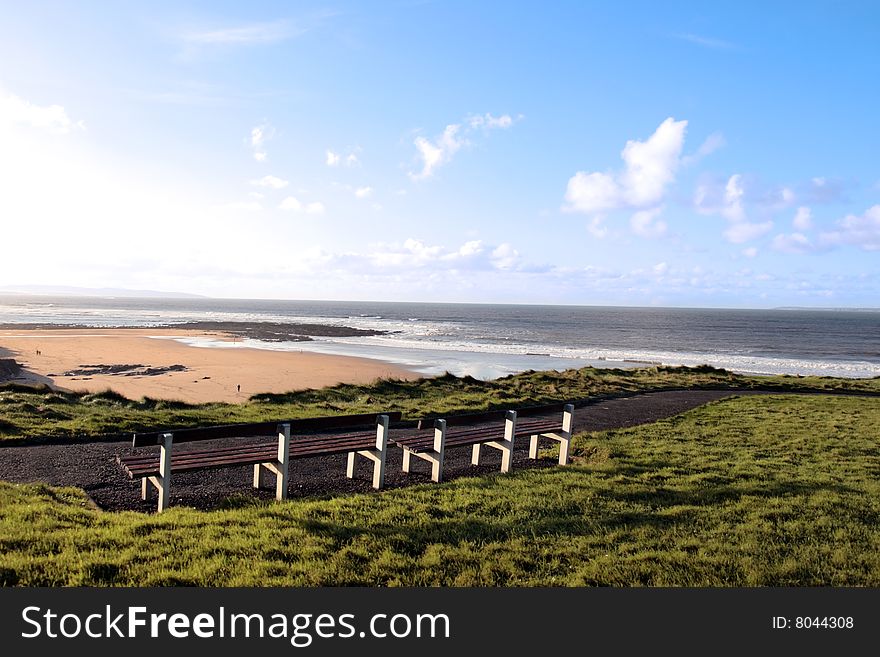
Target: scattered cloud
(712, 143)
(650, 166)
(803, 219)
(439, 152)
(709, 198)
(856, 230)
(363, 192)
(793, 243)
(504, 256)
(243, 35)
(259, 136)
(51, 118)
(272, 182)
(334, 159)
(646, 223)
(706, 42)
(489, 122)
(745, 231)
(454, 137)
(293, 204)
(750, 252)
(825, 190)
(473, 255)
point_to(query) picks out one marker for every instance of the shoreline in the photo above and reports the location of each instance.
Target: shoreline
(154, 362)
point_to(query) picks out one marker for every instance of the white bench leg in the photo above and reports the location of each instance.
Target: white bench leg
(258, 471)
(281, 478)
(349, 470)
(439, 450)
(507, 445)
(533, 447)
(406, 459)
(475, 454)
(145, 490)
(565, 443)
(381, 452)
(164, 480)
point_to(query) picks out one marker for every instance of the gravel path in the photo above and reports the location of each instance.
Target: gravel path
(93, 467)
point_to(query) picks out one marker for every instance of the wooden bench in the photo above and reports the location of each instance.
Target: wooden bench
(272, 456)
(485, 429)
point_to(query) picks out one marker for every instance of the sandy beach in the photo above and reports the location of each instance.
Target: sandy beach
(80, 359)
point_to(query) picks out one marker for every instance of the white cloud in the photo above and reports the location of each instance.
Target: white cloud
(645, 223)
(440, 151)
(473, 255)
(474, 247)
(731, 198)
(592, 192)
(260, 134)
(744, 231)
(293, 204)
(256, 195)
(803, 219)
(792, 243)
(504, 256)
(706, 42)
(650, 166)
(334, 159)
(709, 199)
(712, 143)
(271, 182)
(243, 35)
(856, 230)
(750, 252)
(660, 268)
(363, 192)
(825, 190)
(490, 122)
(52, 118)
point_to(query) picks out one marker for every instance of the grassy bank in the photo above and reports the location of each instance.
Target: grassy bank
(770, 490)
(26, 412)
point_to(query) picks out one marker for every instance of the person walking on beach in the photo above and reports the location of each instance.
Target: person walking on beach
(238, 388)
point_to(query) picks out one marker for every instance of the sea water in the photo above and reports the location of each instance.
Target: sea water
(487, 341)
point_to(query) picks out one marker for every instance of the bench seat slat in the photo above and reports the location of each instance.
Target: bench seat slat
(424, 441)
(140, 466)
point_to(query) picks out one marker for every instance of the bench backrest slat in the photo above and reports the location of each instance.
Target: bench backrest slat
(466, 419)
(298, 425)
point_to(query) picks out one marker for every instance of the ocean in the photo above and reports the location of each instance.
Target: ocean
(489, 341)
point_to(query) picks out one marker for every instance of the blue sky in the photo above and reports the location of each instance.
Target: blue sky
(683, 154)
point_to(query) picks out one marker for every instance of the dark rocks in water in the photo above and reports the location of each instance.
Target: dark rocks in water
(278, 331)
(265, 331)
(123, 370)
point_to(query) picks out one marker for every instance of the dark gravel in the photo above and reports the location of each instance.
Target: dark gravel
(93, 466)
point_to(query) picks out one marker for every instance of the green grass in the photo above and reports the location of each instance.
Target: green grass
(28, 413)
(755, 491)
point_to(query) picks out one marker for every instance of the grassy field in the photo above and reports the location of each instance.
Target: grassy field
(753, 491)
(27, 413)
